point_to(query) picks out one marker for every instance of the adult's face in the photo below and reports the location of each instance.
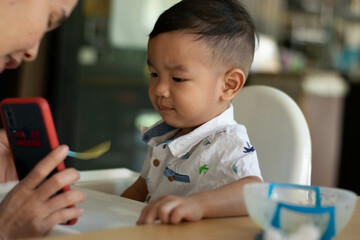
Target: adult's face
(23, 24)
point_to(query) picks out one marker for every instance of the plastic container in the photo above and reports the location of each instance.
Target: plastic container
(289, 206)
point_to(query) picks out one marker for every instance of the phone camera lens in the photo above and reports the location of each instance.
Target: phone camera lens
(10, 117)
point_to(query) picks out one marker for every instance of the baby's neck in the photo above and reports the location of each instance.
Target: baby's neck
(182, 132)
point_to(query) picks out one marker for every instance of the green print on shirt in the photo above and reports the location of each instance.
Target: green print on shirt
(205, 142)
(203, 168)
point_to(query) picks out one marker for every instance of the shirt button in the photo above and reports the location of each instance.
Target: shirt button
(171, 178)
(156, 162)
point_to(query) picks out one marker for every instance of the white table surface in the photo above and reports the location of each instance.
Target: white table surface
(102, 211)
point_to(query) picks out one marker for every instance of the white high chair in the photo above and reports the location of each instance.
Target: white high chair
(278, 130)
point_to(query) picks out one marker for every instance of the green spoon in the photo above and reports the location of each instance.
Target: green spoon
(93, 152)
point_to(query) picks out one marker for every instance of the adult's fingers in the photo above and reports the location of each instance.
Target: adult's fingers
(56, 182)
(3, 138)
(65, 200)
(63, 215)
(41, 226)
(40, 216)
(59, 207)
(7, 169)
(44, 167)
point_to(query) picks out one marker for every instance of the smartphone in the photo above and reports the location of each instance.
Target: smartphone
(31, 133)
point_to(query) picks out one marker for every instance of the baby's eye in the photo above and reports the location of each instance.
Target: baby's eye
(178, 79)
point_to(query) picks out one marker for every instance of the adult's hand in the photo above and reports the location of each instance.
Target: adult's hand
(31, 208)
(7, 166)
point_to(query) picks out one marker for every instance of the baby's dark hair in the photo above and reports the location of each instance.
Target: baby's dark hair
(225, 26)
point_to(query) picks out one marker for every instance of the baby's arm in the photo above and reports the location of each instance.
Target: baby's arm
(137, 191)
(225, 201)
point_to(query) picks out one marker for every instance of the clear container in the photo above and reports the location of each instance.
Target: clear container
(289, 206)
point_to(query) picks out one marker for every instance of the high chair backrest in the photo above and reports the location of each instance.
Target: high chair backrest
(278, 130)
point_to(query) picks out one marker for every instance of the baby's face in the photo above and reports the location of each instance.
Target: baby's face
(185, 86)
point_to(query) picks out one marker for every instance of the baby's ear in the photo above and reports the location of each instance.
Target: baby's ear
(234, 80)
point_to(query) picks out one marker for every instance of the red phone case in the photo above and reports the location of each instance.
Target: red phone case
(31, 133)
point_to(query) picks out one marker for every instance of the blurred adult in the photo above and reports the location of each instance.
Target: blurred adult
(31, 208)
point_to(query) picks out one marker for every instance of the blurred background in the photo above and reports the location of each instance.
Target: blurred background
(93, 72)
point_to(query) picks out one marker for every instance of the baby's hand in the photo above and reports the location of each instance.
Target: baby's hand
(172, 210)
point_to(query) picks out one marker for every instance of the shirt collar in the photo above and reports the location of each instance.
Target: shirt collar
(160, 128)
(181, 145)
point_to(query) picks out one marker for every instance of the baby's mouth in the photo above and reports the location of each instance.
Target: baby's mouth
(163, 108)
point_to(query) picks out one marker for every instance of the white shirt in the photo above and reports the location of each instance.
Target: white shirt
(214, 154)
